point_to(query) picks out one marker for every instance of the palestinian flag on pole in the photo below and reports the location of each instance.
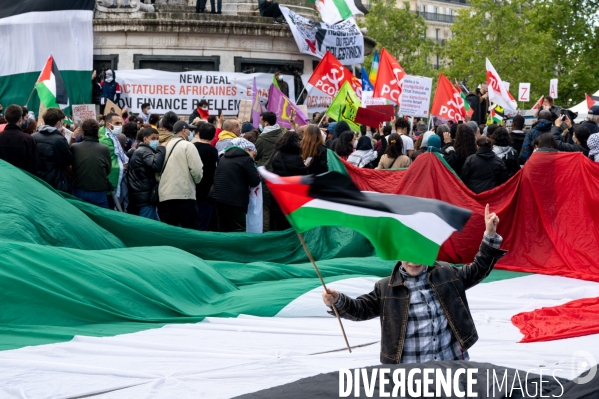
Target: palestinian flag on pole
(62, 28)
(399, 227)
(51, 88)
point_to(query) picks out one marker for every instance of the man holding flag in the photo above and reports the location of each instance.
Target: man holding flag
(424, 312)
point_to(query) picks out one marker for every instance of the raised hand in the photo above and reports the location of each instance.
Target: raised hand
(491, 222)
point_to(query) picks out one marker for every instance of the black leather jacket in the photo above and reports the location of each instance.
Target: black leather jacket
(390, 300)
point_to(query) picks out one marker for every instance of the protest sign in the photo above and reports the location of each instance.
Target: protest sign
(112, 108)
(416, 96)
(344, 40)
(524, 92)
(368, 100)
(181, 92)
(245, 111)
(553, 88)
(368, 117)
(387, 110)
(83, 112)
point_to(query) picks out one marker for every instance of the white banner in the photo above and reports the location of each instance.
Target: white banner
(181, 92)
(344, 40)
(553, 88)
(415, 97)
(367, 99)
(524, 92)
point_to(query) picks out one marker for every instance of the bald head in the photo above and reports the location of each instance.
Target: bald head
(232, 125)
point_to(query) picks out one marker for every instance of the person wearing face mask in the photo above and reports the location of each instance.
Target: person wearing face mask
(146, 161)
(54, 152)
(182, 170)
(111, 90)
(283, 86)
(110, 135)
(201, 111)
(91, 166)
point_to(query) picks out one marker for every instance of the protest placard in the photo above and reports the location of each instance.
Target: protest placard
(415, 96)
(84, 111)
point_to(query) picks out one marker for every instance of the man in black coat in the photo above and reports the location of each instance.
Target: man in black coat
(91, 166)
(54, 151)
(209, 156)
(483, 170)
(18, 148)
(479, 102)
(146, 161)
(235, 175)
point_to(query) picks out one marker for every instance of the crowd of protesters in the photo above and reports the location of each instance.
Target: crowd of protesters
(200, 173)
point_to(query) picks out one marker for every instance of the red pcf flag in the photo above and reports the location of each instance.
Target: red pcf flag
(591, 100)
(389, 80)
(330, 75)
(448, 102)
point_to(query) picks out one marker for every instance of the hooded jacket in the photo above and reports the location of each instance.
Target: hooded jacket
(483, 171)
(592, 126)
(509, 156)
(265, 145)
(110, 90)
(224, 141)
(54, 157)
(540, 127)
(234, 176)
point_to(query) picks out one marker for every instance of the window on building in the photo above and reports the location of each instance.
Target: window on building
(437, 36)
(170, 63)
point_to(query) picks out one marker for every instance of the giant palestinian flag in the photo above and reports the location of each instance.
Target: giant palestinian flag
(101, 304)
(34, 29)
(400, 227)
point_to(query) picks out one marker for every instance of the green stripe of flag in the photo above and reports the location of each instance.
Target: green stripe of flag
(343, 8)
(377, 229)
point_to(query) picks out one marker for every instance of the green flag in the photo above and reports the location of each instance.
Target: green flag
(344, 106)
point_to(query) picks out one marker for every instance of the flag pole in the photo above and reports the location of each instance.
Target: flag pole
(30, 94)
(301, 238)
(300, 95)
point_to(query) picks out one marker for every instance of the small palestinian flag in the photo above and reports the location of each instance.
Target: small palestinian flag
(463, 93)
(592, 100)
(496, 115)
(51, 88)
(399, 227)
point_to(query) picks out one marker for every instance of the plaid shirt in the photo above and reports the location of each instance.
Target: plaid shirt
(428, 335)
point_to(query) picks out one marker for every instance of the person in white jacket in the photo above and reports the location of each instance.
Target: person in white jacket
(182, 170)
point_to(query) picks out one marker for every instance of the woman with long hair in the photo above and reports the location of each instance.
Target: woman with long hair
(463, 146)
(345, 145)
(314, 153)
(393, 157)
